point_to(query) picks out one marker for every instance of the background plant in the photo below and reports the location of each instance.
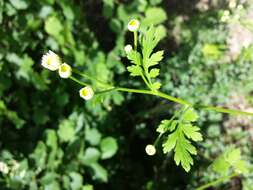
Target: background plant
(35, 103)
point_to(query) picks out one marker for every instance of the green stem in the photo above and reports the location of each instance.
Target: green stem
(146, 74)
(135, 40)
(146, 82)
(105, 91)
(160, 94)
(215, 182)
(78, 81)
(139, 91)
(91, 78)
(183, 102)
(158, 138)
(170, 98)
(224, 110)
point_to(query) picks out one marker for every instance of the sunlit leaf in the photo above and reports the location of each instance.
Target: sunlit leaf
(108, 147)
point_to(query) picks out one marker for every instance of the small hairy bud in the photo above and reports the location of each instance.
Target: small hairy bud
(150, 150)
(133, 25)
(128, 48)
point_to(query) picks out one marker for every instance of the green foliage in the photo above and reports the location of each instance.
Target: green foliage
(66, 131)
(181, 131)
(53, 26)
(10, 115)
(143, 64)
(154, 16)
(135, 70)
(212, 51)
(93, 136)
(20, 5)
(108, 147)
(50, 139)
(230, 159)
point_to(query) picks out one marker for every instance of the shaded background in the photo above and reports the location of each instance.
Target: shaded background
(52, 139)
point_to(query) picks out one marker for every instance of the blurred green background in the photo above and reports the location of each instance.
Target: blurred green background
(52, 139)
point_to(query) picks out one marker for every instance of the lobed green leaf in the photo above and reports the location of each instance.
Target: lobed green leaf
(154, 59)
(135, 70)
(182, 131)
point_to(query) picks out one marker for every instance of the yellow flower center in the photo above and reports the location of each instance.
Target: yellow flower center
(64, 68)
(84, 92)
(132, 23)
(49, 61)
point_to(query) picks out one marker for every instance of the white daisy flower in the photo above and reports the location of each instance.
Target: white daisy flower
(128, 48)
(150, 150)
(4, 168)
(51, 61)
(86, 93)
(133, 25)
(65, 70)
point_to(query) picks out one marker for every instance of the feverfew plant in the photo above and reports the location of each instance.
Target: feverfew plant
(180, 133)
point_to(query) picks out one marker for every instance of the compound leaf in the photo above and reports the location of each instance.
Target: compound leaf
(181, 132)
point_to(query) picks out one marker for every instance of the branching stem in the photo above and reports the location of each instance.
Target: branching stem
(167, 97)
(91, 78)
(78, 81)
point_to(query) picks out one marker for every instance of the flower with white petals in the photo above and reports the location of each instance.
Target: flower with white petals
(133, 25)
(65, 70)
(51, 61)
(128, 48)
(150, 150)
(4, 168)
(86, 93)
